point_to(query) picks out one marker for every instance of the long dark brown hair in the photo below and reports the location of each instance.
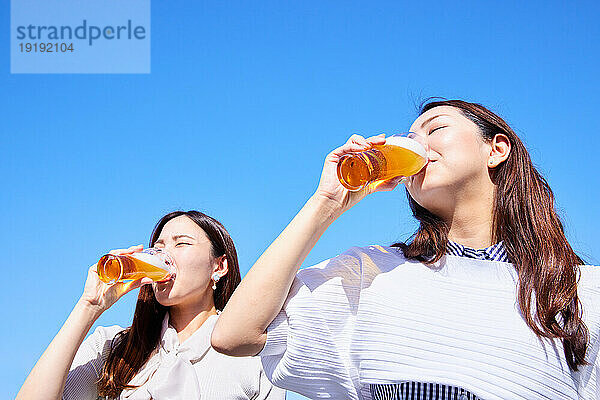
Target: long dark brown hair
(525, 220)
(132, 347)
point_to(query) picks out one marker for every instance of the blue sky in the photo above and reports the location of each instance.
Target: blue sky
(243, 102)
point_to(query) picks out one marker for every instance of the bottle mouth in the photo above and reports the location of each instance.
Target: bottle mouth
(167, 260)
(170, 277)
(410, 141)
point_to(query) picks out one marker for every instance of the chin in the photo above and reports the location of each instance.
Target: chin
(428, 196)
(420, 190)
(163, 292)
(168, 294)
(167, 302)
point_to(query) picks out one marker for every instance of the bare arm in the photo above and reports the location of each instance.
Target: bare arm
(240, 330)
(47, 378)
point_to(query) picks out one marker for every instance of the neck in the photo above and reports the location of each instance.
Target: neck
(471, 221)
(188, 318)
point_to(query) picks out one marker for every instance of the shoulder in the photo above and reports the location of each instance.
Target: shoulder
(353, 265)
(590, 274)
(589, 282)
(102, 337)
(107, 332)
(357, 255)
(88, 361)
(589, 277)
(588, 289)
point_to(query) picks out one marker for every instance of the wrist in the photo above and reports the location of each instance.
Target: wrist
(327, 208)
(91, 311)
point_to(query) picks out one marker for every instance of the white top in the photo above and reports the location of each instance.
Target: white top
(190, 370)
(369, 316)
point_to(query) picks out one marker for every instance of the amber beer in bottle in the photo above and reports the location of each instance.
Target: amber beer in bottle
(150, 263)
(401, 155)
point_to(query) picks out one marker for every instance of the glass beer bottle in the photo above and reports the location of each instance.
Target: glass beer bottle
(401, 155)
(150, 263)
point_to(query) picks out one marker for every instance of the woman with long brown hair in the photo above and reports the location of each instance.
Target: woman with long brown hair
(166, 353)
(487, 300)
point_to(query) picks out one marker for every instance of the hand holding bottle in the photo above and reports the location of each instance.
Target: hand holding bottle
(47, 378)
(330, 186)
(100, 296)
(402, 155)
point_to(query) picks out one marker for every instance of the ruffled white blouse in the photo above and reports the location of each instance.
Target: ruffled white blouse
(188, 370)
(370, 316)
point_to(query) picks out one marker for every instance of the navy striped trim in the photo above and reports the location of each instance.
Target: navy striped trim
(496, 252)
(419, 391)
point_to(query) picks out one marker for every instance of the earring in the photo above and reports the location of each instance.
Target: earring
(215, 278)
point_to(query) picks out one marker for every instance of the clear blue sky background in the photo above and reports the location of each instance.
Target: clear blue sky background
(244, 101)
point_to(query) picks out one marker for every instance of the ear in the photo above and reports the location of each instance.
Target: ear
(221, 266)
(499, 150)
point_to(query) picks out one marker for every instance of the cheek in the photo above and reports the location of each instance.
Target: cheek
(456, 152)
(192, 279)
(455, 163)
(193, 269)
(193, 265)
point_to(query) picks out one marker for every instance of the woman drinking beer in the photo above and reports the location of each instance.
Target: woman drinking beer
(166, 353)
(487, 300)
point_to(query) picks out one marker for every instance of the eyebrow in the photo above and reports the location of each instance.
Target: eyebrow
(432, 118)
(175, 237)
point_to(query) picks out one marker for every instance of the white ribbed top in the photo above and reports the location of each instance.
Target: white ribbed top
(370, 316)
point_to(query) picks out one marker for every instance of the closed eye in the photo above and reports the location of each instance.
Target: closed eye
(180, 243)
(438, 128)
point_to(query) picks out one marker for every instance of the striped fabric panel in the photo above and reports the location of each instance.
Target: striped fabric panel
(419, 391)
(433, 391)
(496, 252)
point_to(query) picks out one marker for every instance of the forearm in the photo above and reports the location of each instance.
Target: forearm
(47, 378)
(261, 294)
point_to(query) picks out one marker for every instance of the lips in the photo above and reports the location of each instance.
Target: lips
(167, 279)
(428, 163)
(422, 171)
(171, 276)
